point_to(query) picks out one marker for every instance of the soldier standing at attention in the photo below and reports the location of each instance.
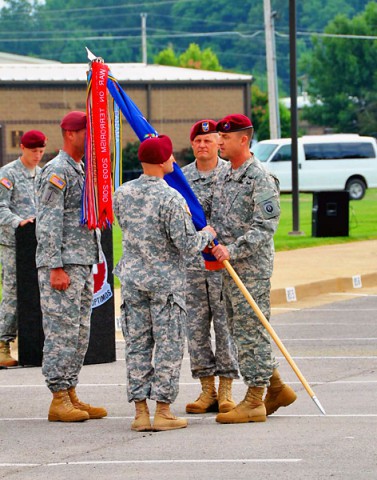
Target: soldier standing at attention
(66, 252)
(245, 213)
(203, 293)
(17, 208)
(157, 231)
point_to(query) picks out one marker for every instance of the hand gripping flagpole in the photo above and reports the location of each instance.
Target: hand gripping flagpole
(272, 332)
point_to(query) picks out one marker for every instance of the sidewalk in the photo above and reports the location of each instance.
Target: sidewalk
(318, 270)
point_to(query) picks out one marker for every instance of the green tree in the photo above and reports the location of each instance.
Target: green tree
(342, 75)
(167, 57)
(193, 57)
(18, 28)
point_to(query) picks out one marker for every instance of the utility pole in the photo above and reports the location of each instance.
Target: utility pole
(144, 37)
(273, 95)
(293, 91)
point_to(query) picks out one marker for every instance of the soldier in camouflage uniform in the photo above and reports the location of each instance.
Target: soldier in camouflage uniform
(157, 230)
(245, 213)
(66, 252)
(17, 208)
(203, 294)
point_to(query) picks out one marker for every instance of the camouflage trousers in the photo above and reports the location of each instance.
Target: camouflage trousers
(255, 356)
(66, 325)
(8, 307)
(204, 309)
(153, 329)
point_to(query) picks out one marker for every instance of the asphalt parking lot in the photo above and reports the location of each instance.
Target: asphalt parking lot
(335, 347)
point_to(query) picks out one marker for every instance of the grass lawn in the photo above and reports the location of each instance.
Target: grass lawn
(362, 225)
(362, 222)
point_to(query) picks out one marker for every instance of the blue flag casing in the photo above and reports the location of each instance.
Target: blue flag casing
(176, 179)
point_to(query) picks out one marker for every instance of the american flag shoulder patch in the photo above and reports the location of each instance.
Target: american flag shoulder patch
(57, 181)
(7, 183)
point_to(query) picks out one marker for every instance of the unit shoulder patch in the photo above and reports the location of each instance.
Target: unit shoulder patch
(6, 183)
(270, 208)
(57, 181)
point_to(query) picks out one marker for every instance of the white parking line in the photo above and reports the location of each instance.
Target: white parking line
(157, 462)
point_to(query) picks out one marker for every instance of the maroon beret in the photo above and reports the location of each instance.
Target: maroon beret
(202, 128)
(74, 121)
(233, 123)
(155, 149)
(33, 139)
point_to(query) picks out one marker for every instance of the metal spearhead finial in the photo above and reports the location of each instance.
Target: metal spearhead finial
(92, 57)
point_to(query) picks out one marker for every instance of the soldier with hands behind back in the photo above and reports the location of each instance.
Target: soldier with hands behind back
(17, 208)
(205, 306)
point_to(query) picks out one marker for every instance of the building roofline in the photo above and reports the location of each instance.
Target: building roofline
(75, 73)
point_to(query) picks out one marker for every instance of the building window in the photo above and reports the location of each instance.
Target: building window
(16, 138)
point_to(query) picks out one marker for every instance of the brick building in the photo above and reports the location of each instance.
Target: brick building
(37, 96)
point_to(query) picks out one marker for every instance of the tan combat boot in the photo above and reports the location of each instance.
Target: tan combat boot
(93, 412)
(207, 400)
(5, 358)
(62, 410)
(278, 394)
(251, 409)
(165, 420)
(226, 402)
(142, 422)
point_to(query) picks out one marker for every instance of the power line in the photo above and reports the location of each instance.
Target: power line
(331, 35)
(123, 37)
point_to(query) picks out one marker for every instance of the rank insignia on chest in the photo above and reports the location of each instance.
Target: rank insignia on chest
(57, 181)
(7, 183)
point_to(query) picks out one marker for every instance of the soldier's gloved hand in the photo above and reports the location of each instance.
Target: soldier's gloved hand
(221, 253)
(59, 279)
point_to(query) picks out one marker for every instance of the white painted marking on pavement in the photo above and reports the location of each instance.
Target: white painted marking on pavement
(157, 462)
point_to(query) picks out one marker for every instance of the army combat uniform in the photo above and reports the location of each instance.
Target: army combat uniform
(245, 215)
(157, 229)
(204, 303)
(17, 203)
(63, 242)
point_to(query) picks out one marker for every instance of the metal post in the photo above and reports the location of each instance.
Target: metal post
(293, 90)
(273, 97)
(144, 37)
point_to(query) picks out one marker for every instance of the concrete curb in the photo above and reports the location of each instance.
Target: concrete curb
(333, 285)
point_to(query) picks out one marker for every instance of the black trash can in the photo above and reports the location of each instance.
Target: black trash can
(330, 214)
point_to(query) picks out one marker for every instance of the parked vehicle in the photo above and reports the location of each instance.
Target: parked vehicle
(325, 162)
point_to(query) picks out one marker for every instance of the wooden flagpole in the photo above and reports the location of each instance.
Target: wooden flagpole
(272, 332)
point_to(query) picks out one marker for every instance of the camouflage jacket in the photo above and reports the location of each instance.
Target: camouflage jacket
(245, 215)
(157, 230)
(61, 238)
(17, 198)
(202, 185)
